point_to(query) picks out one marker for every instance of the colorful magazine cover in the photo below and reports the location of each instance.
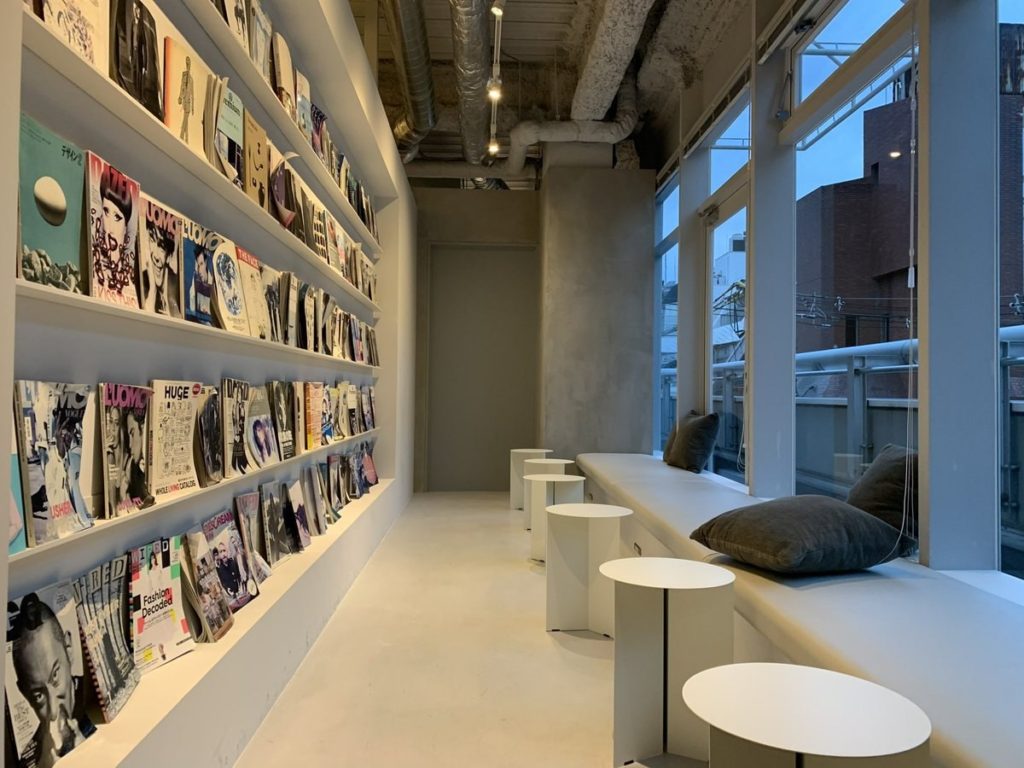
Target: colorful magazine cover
(229, 558)
(113, 230)
(186, 79)
(198, 247)
(213, 609)
(124, 421)
(17, 539)
(159, 626)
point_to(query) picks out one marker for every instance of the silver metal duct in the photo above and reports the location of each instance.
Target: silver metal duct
(472, 60)
(408, 31)
(441, 169)
(531, 132)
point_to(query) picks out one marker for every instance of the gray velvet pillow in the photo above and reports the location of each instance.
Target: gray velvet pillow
(879, 491)
(802, 534)
(668, 443)
(694, 441)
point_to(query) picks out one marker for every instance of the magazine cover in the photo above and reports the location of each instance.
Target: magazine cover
(335, 486)
(256, 170)
(44, 677)
(214, 611)
(284, 75)
(369, 468)
(229, 558)
(17, 539)
(209, 442)
(303, 107)
(124, 419)
(260, 35)
(299, 416)
(101, 619)
(279, 539)
(282, 396)
(160, 245)
(325, 488)
(57, 432)
(249, 271)
(314, 403)
(237, 19)
(297, 501)
(185, 82)
(320, 233)
(321, 137)
(339, 421)
(290, 308)
(247, 508)
(328, 317)
(316, 504)
(272, 295)
(172, 426)
(50, 189)
(159, 628)
(198, 246)
(234, 403)
(352, 408)
(135, 53)
(260, 437)
(335, 242)
(229, 140)
(306, 331)
(229, 304)
(79, 24)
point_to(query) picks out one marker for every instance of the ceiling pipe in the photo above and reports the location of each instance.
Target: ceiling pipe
(472, 60)
(408, 31)
(440, 169)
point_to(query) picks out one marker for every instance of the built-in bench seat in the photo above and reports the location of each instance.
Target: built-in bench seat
(955, 650)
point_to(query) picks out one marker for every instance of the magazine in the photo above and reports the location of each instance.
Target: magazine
(198, 246)
(307, 324)
(290, 308)
(209, 442)
(17, 538)
(247, 508)
(160, 246)
(279, 538)
(260, 437)
(124, 419)
(185, 82)
(234, 404)
(229, 136)
(299, 416)
(284, 75)
(335, 483)
(159, 627)
(252, 292)
(136, 51)
(79, 24)
(314, 403)
(260, 35)
(298, 508)
(236, 17)
(229, 558)
(303, 107)
(229, 304)
(256, 171)
(316, 503)
(282, 397)
(112, 231)
(202, 581)
(172, 426)
(272, 294)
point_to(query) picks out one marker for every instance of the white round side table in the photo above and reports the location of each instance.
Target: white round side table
(515, 473)
(673, 619)
(784, 714)
(541, 491)
(580, 538)
(542, 467)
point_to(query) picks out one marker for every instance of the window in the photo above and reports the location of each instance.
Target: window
(731, 150)
(848, 29)
(666, 251)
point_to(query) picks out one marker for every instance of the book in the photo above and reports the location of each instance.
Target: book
(229, 299)
(298, 508)
(159, 626)
(282, 397)
(185, 81)
(124, 418)
(172, 426)
(209, 440)
(260, 36)
(229, 558)
(136, 53)
(229, 137)
(247, 509)
(112, 230)
(303, 107)
(260, 438)
(202, 582)
(80, 24)
(160, 248)
(199, 287)
(237, 18)
(314, 399)
(256, 168)
(272, 295)
(249, 272)
(17, 539)
(279, 540)
(44, 665)
(284, 75)
(56, 434)
(51, 190)
(101, 604)
(234, 404)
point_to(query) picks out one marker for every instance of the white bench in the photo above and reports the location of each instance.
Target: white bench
(953, 649)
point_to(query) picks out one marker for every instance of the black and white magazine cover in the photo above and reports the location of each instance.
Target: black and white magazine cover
(160, 241)
(172, 426)
(298, 509)
(260, 437)
(335, 482)
(260, 34)
(213, 609)
(234, 402)
(230, 560)
(135, 53)
(209, 442)
(45, 677)
(280, 538)
(272, 295)
(330, 511)
(316, 502)
(124, 420)
(247, 508)
(282, 398)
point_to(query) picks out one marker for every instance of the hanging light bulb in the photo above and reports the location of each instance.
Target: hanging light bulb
(494, 89)
(498, 8)
(492, 148)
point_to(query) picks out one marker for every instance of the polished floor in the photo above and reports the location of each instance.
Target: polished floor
(438, 657)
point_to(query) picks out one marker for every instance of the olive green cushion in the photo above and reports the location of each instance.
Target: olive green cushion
(694, 441)
(880, 490)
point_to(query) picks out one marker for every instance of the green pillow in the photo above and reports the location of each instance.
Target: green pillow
(802, 534)
(694, 441)
(880, 490)
(668, 443)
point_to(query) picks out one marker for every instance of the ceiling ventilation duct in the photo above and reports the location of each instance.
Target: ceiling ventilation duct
(408, 31)
(472, 60)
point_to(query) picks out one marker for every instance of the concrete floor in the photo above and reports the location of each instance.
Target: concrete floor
(438, 657)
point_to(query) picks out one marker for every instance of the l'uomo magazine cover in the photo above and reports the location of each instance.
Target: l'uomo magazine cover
(45, 677)
(113, 227)
(124, 418)
(199, 287)
(160, 245)
(159, 624)
(229, 557)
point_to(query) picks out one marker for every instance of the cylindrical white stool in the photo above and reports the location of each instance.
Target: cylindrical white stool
(515, 473)
(580, 538)
(673, 618)
(541, 492)
(774, 715)
(541, 467)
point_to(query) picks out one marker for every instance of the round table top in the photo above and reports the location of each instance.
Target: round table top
(555, 478)
(533, 450)
(667, 573)
(548, 462)
(806, 710)
(589, 510)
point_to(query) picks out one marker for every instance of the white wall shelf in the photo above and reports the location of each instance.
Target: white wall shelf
(65, 85)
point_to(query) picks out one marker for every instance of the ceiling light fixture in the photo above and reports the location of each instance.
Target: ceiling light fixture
(895, 153)
(492, 148)
(494, 89)
(498, 8)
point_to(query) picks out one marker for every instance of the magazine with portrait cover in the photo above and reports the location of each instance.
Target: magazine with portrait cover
(102, 619)
(260, 36)
(113, 228)
(250, 525)
(249, 271)
(160, 247)
(272, 296)
(185, 81)
(355, 486)
(299, 416)
(314, 403)
(260, 437)
(17, 539)
(284, 75)
(136, 50)
(307, 317)
(172, 426)
(51, 192)
(57, 444)
(81, 25)
(229, 301)
(234, 397)
(316, 502)
(304, 107)
(282, 398)
(45, 678)
(281, 538)
(352, 406)
(124, 421)
(256, 171)
(209, 439)
(203, 587)
(198, 245)
(229, 558)
(290, 308)
(159, 623)
(297, 508)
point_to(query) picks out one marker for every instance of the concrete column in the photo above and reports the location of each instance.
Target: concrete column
(958, 282)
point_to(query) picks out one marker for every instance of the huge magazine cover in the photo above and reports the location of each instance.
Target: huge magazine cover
(229, 558)
(124, 420)
(172, 431)
(159, 624)
(113, 230)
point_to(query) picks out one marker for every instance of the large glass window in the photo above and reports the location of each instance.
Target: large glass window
(666, 251)
(731, 150)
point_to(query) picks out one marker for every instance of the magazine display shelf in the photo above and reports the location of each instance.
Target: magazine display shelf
(225, 42)
(44, 305)
(66, 86)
